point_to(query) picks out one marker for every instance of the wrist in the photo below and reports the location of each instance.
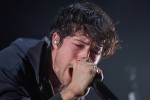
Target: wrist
(68, 94)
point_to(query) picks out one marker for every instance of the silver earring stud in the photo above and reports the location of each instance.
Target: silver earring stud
(56, 41)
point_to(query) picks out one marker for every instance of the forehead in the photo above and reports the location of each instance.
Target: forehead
(85, 39)
(82, 37)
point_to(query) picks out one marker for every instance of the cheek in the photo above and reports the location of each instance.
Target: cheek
(64, 60)
(64, 57)
(74, 55)
(70, 53)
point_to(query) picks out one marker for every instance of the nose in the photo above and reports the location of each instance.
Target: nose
(84, 55)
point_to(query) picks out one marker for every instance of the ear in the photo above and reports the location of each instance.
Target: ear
(55, 37)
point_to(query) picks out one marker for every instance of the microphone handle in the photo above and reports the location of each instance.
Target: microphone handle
(101, 89)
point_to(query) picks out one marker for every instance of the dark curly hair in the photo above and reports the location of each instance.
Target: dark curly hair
(91, 21)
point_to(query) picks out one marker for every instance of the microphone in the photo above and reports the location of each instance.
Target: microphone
(99, 87)
(102, 90)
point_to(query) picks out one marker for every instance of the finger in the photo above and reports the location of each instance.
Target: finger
(94, 70)
(100, 73)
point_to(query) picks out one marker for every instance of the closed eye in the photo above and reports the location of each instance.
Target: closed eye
(79, 45)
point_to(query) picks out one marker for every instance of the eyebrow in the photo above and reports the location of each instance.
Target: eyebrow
(78, 39)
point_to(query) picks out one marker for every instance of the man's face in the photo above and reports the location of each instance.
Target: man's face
(73, 49)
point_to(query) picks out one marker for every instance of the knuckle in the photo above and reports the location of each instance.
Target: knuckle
(89, 71)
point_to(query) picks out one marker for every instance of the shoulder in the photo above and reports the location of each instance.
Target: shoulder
(17, 52)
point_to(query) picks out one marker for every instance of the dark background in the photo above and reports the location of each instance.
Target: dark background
(125, 72)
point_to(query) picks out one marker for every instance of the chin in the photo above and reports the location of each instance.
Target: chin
(66, 82)
(67, 77)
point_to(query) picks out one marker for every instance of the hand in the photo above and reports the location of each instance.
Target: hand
(83, 74)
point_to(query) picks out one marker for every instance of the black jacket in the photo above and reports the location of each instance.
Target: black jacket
(23, 71)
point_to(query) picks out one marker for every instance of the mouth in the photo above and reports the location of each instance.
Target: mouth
(70, 72)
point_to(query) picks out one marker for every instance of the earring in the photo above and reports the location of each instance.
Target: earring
(57, 42)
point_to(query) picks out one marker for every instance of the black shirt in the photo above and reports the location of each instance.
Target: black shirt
(23, 71)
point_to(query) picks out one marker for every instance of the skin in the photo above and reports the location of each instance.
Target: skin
(70, 66)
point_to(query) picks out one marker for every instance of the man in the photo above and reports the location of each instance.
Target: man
(61, 66)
